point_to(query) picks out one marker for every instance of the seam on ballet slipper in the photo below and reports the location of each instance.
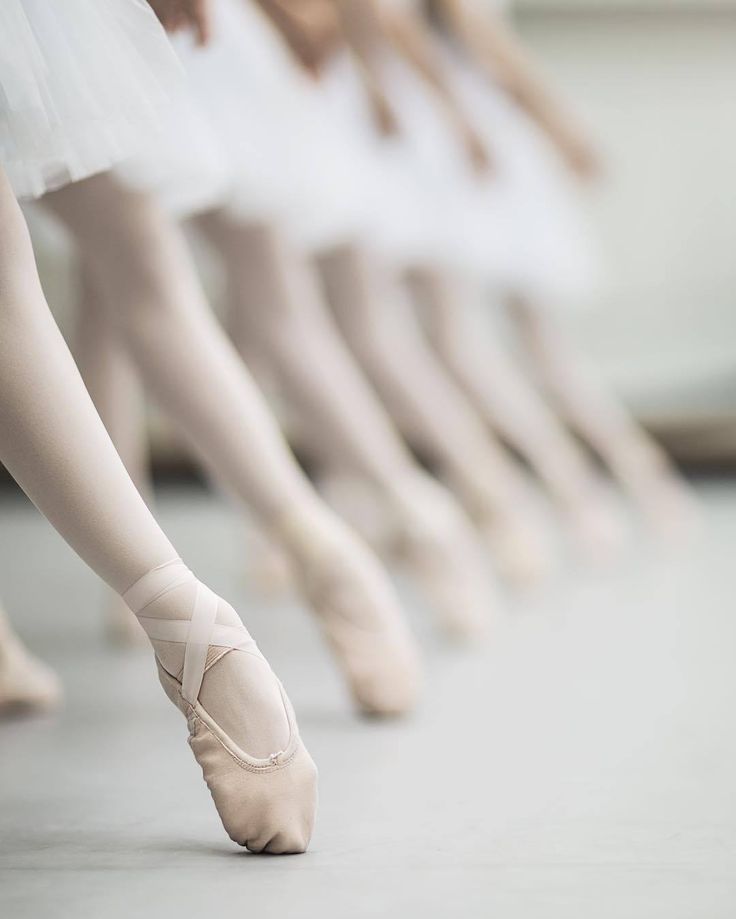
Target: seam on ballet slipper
(264, 768)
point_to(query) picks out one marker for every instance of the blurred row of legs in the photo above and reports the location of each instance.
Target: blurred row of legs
(431, 438)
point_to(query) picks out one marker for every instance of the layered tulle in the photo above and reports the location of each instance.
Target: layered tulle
(255, 136)
(82, 84)
(530, 207)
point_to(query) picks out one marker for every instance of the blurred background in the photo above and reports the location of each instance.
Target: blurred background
(654, 79)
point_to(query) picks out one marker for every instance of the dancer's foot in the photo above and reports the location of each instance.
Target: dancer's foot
(26, 684)
(510, 518)
(597, 528)
(268, 570)
(212, 670)
(417, 526)
(359, 613)
(671, 508)
(440, 548)
(519, 548)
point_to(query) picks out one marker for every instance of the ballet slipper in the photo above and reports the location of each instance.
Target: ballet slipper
(414, 523)
(268, 570)
(356, 607)
(266, 804)
(122, 629)
(672, 509)
(519, 548)
(443, 553)
(26, 684)
(597, 529)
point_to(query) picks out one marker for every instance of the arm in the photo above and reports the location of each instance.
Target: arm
(311, 29)
(493, 46)
(176, 15)
(368, 31)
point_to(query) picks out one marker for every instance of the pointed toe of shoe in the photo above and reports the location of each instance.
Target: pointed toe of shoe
(265, 806)
(391, 687)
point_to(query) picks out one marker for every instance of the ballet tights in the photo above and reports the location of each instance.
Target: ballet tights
(377, 320)
(144, 274)
(456, 320)
(634, 459)
(276, 308)
(115, 388)
(112, 382)
(55, 446)
(146, 279)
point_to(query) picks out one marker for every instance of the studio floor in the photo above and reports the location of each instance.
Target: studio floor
(582, 765)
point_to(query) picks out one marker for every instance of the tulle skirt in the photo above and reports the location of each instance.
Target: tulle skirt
(530, 205)
(255, 137)
(82, 83)
(291, 161)
(445, 184)
(397, 214)
(424, 206)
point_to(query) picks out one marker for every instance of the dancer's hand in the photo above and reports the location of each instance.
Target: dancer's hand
(311, 29)
(384, 114)
(476, 150)
(176, 15)
(581, 157)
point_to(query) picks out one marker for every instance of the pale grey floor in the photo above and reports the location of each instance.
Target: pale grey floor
(581, 765)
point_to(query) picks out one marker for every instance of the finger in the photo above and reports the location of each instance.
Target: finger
(203, 13)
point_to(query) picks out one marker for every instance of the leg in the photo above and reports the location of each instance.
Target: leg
(492, 380)
(26, 684)
(634, 459)
(378, 324)
(141, 263)
(54, 444)
(277, 310)
(113, 384)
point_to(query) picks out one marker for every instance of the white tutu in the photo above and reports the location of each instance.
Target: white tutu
(82, 82)
(184, 164)
(255, 137)
(440, 171)
(262, 139)
(423, 203)
(531, 209)
(397, 212)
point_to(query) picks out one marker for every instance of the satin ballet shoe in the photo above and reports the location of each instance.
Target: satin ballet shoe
(266, 804)
(357, 609)
(27, 686)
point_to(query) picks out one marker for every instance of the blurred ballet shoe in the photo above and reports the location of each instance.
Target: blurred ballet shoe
(357, 608)
(442, 551)
(598, 530)
(26, 684)
(519, 545)
(417, 525)
(267, 569)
